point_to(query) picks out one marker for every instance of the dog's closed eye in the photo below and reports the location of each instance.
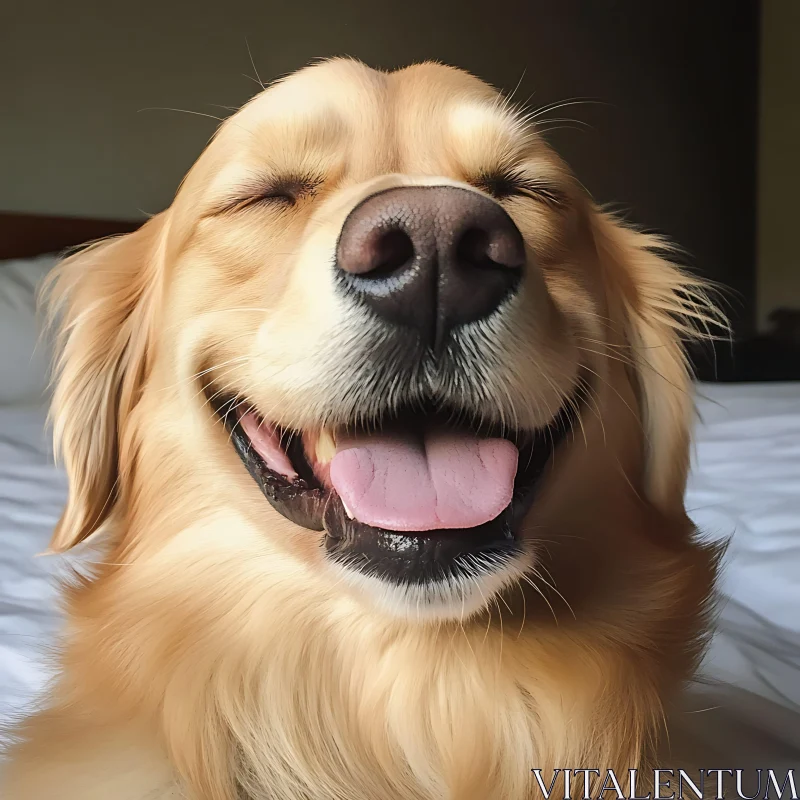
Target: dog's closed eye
(513, 183)
(281, 192)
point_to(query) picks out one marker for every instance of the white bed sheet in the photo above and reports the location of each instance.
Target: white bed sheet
(32, 492)
(745, 483)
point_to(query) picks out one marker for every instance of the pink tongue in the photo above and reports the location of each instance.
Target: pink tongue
(440, 480)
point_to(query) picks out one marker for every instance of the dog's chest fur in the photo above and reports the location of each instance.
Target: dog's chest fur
(462, 714)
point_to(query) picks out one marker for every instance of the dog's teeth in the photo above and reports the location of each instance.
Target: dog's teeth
(326, 447)
(347, 510)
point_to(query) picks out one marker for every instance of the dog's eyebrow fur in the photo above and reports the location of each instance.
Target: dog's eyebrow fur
(493, 139)
(482, 118)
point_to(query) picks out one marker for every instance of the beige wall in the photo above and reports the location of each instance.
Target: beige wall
(779, 157)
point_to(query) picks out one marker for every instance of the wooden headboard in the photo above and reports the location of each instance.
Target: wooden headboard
(26, 235)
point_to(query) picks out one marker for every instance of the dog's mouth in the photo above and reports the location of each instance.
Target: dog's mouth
(426, 495)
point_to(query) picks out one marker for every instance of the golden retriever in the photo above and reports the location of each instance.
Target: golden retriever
(382, 431)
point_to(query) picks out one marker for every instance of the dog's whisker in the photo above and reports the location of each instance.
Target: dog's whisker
(496, 600)
(197, 375)
(529, 580)
(555, 106)
(553, 587)
(221, 389)
(253, 64)
(222, 120)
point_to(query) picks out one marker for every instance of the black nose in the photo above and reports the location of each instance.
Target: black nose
(430, 258)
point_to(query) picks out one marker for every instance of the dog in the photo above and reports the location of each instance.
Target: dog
(381, 430)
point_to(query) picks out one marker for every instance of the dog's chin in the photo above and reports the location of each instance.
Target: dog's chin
(421, 511)
(468, 591)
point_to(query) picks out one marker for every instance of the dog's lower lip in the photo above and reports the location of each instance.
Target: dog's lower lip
(399, 557)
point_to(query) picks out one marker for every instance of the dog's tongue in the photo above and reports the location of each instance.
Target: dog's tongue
(437, 479)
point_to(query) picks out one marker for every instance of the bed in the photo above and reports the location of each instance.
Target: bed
(745, 484)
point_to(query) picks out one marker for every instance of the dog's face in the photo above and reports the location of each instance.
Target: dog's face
(383, 328)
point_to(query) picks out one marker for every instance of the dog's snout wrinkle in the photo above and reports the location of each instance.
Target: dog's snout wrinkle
(430, 258)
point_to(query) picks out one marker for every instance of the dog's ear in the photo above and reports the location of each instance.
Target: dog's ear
(661, 307)
(101, 301)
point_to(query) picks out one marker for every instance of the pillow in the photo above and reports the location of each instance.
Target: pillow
(24, 358)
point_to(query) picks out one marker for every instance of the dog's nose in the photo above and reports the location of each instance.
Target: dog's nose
(430, 258)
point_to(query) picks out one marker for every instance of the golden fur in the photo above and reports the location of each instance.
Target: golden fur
(211, 654)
